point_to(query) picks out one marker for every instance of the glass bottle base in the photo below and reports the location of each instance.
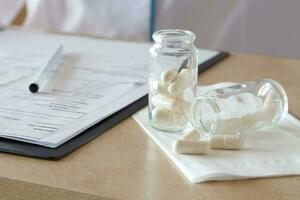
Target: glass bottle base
(173, 129)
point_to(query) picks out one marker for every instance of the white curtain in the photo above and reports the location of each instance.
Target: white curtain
(203, 17)
(269, 27)
(122, 19)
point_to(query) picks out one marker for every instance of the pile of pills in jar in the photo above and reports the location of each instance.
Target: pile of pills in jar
(189, 143)
(169, 105)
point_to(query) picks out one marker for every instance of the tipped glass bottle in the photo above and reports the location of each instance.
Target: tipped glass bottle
(173, 79)
(232, 110)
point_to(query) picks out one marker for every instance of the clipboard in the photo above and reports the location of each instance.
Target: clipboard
(32, 150)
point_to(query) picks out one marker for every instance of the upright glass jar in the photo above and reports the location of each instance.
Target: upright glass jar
(233, 110)
(173, 79)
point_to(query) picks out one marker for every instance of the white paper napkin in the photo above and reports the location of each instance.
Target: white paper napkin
(267, 153)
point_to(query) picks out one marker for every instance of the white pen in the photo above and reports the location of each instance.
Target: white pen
(46, 72)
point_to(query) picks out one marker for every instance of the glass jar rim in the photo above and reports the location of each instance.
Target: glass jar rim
(198, 124)
(174, 35)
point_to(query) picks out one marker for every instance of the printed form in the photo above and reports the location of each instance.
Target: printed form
(96, 79)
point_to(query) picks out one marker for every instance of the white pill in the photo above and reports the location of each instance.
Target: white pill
(191, 135)
(190, 146)
(169, 76)
(226, 142)
(163, 116)
(182, 81)
(169, 103)
(159, 87)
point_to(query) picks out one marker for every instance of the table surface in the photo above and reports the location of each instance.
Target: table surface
(125, 163)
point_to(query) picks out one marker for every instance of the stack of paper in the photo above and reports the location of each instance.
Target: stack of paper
(91, 84)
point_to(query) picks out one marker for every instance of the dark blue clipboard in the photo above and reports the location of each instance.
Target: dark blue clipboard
(37, 151)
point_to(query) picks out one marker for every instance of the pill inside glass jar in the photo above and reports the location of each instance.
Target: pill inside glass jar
(233, 110)
(172, 80)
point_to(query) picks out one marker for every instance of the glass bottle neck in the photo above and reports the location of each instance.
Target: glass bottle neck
(205, 116)
(175, 44)
(176, 37)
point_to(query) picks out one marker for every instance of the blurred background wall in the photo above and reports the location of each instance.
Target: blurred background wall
(268, 27)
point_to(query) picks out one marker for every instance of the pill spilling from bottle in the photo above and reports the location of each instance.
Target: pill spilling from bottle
(189, 143)
(218, 114)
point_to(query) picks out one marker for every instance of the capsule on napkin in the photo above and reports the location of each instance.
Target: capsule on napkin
(190, 146)
(232, 142)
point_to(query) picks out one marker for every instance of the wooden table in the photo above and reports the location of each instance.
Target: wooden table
(124, 163)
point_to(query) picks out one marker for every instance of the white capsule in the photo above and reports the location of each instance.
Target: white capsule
(226, 142)
(190, 146)
(169, 103)
(169, 76)
(163, 116)
(191, 135)
(159, 87)
(182, 81)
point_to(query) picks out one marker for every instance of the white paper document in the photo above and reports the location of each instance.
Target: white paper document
(96, 79)
(267, 153)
